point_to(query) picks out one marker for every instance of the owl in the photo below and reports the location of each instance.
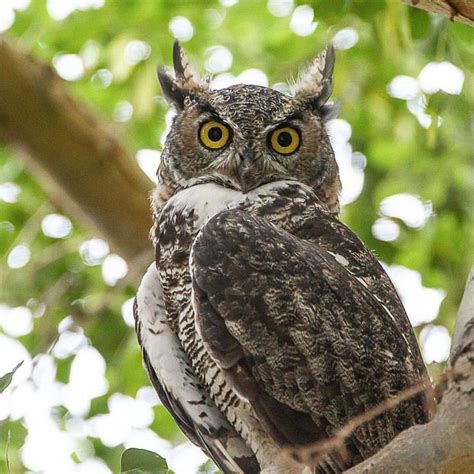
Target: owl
(264, 322)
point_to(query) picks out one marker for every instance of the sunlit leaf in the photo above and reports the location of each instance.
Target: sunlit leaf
(6, 379)
(142, 461)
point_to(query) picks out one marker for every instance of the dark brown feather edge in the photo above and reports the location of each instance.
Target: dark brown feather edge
(184, 422)
(239, 373)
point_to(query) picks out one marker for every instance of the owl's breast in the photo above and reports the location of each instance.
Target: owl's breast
(285, 204)
(194, 206)
(180, 221)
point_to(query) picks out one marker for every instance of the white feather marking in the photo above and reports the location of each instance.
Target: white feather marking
(340, 259)
(361, 281)
(395, 321)
(229, 459)
(167, 356)
(392, 317)
(208, 199)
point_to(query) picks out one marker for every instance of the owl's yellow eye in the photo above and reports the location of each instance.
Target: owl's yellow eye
(214, 134)
(285, 140)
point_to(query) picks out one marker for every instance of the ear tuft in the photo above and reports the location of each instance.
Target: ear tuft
(185, 83)
(186, 77)
(315, 83)
(182, 68)
(173, 94)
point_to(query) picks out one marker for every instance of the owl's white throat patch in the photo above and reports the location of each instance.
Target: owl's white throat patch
(208, 199)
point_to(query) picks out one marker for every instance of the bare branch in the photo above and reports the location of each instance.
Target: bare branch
(80, 162)
(311, 455)
(455, 10)
(464, 320)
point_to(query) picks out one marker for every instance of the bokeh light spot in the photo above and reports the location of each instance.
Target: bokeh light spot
(345, 38)
(123, 111)
(56, 226)
(19, 256)
(181, 28)
(61, 9)
(127, 313)
(148, 160)
(385, 229)
(114, 268)
(302, 22)
(219, 59)
(137, 51)
(404, 87)
(443, 76)
(69, 66)
(410, 209)
(280, 8)
(436, 342)
(9, 192)
(94, 251)
(7, 17)
(17, 321)
(421, 303)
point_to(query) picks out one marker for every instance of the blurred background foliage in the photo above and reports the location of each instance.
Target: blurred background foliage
(403, 141)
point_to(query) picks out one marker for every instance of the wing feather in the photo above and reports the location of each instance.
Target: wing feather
(295, 321)
(179, 388)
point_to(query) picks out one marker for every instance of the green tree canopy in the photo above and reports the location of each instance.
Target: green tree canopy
(403, 141)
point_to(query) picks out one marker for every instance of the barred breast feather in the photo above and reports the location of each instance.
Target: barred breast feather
(271, 318)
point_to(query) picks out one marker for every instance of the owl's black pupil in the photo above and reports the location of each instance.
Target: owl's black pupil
(215, 134)
(284, 139)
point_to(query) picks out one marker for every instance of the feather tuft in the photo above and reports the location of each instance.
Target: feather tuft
(315, 83)
(186, 77)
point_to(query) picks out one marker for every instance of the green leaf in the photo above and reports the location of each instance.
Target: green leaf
(6, 380)
(142, 461)
(208, 468)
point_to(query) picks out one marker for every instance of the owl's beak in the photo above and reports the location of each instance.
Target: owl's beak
(247, 158)
(246, 171)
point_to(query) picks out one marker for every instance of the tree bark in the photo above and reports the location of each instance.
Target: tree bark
(446, 444)
(456, 10)
(79, 161)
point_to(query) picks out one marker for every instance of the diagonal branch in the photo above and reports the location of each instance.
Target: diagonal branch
(455, 10)
(80, 162)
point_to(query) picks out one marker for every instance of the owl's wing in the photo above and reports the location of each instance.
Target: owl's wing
(300, 336)
(179, 388)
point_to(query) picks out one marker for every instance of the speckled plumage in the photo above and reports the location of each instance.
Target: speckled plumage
(270, 307)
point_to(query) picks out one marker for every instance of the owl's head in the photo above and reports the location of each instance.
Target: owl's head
(244, 136)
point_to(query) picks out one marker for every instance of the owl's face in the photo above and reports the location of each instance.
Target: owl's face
(245, 136)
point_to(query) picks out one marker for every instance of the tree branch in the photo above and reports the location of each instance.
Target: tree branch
(80, 162)
(464, 321)
(313, 454)
(456, 10)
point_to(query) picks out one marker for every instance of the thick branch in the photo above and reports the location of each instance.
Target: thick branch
(445, 444)
(82, 165)
(457, 10)
(464, 321)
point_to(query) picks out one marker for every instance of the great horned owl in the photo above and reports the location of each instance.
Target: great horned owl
(265, 322)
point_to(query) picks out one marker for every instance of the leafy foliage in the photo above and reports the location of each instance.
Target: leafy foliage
(67, 307)
(142, 461)
(6, 379)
